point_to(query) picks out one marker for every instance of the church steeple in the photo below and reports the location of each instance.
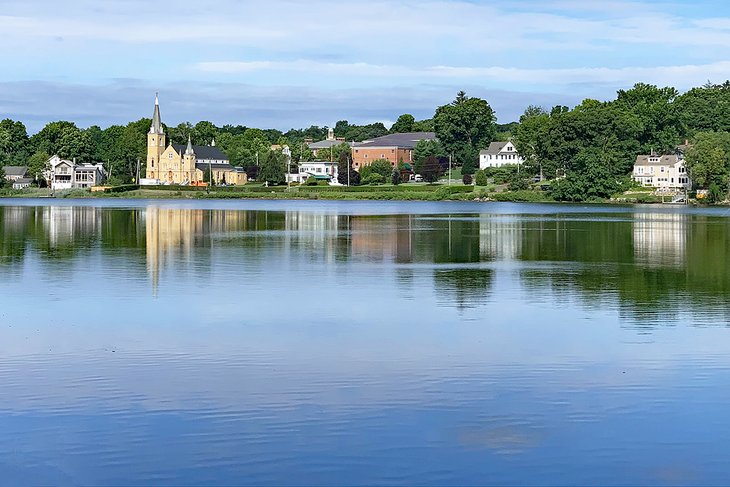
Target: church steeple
(156, 127)
(189, 150)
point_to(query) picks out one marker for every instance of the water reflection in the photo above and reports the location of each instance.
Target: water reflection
(654, 264)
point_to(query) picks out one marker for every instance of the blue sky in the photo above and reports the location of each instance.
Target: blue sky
(286, 64)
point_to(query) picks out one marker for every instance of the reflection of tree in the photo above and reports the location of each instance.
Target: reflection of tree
(454, 239)
(654, 267)
(465, 287)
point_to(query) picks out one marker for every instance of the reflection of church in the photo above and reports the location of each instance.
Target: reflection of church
(180, 164)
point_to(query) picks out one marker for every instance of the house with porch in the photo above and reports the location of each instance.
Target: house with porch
(499, 154)
(65, 174)
(664, 172)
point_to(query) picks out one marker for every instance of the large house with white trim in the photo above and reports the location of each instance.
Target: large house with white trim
(665, 172)
(499, 154)
(65, 174)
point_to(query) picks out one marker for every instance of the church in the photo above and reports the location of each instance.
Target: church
(186, 165)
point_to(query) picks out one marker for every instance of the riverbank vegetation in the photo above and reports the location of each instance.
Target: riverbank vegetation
(585, 153)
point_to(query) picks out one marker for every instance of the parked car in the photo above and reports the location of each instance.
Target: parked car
(418, 178)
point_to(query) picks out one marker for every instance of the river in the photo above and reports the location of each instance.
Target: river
(350, 343)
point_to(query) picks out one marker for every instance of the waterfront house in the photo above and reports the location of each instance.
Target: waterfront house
(321, 170)
(499, 154)
(65, 174)
(22, 183)
(13, 173)
(664, 172)
(395, 148)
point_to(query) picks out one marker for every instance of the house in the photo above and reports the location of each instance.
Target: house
(395, 148)
(22, 183)
(185, 164)
(65, 174)
(321, 148)
(665, 172)
(499, 154)
(13, 173)
(322, 170)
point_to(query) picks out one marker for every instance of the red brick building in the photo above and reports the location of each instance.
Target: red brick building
(395, 148)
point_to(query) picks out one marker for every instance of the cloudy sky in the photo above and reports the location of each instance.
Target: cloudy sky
(286, 64)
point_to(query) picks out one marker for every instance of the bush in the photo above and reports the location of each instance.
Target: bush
(481, 178)
(311, 181)
(466, 179)
(373, 178)
(517, 183)
(395, 177)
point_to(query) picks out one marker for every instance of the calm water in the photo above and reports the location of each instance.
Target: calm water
(342, 343)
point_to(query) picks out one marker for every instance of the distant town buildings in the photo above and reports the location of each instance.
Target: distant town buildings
(185, 164)
(395, 148)
(65, 174)
(319, 148)
(499, 154)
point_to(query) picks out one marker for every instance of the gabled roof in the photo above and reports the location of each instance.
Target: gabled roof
(665, 160)
(15, 171)
(494, 148)
(327, 143)
(405, 140)
(23, 181)
(202, 151)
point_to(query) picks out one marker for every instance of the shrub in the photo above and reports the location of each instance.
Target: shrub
(373, 178)
(481, 178)
(395, 177)
(466, 179)
(311, 181)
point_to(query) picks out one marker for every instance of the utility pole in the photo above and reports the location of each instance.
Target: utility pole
(138, 170)
(450, 156)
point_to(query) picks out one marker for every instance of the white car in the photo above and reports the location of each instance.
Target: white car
(418, 178)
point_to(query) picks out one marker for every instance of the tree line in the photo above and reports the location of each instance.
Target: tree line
(589, 150)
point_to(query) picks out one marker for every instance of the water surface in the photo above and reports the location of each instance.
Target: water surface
(339, 343)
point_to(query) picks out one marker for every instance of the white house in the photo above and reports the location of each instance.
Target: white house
(666, 172)
(65, 174)
(499, 154)
(323, 170)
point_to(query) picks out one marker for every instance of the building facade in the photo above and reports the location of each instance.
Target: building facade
(499, 154)
(666, 172)
(395, 148)
(185, 164)
(65, 174)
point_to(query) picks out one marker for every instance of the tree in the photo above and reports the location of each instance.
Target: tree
(273, 167)
(481, 178)
(425, 148)
(38, 164)
(372, 178)
(344, 166)
(3, 182)
(431, 170)
(708, 162)
(207, 176)
(378, 166)
(395, 177)
(466, 179)
(404, 124)
(465, 126)
(64, 139)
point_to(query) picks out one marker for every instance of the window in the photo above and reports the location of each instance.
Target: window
(662, 169)
(169, 156)
(366, 156)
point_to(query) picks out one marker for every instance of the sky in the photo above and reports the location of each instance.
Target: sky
(291, 64)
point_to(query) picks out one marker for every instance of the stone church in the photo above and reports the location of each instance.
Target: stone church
(180, 164)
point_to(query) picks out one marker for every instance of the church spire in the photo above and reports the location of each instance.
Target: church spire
(189, 150)
(156, 127)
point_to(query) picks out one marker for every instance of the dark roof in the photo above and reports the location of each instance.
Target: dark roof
(327, 143)
(215, 165)
(494, 148)
(202, 151)
(406, 140)
(15, 171)
(23, 181)
(667, 159)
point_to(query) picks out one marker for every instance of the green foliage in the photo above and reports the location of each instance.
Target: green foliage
(404, 124)
(372, 178)
(395, 177)
(359, 133)
(594, 177)
(464, 127)
(431, 170)
(480, 178)
(424, 149)
(311, 181)
(466, 179)
(65, 139)
(38, 163)
(523, 195)
(381, 167)
(272, 168)
(518, 182)
(3, 182)
(207, 176)
(344, 166)
(708, 163)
